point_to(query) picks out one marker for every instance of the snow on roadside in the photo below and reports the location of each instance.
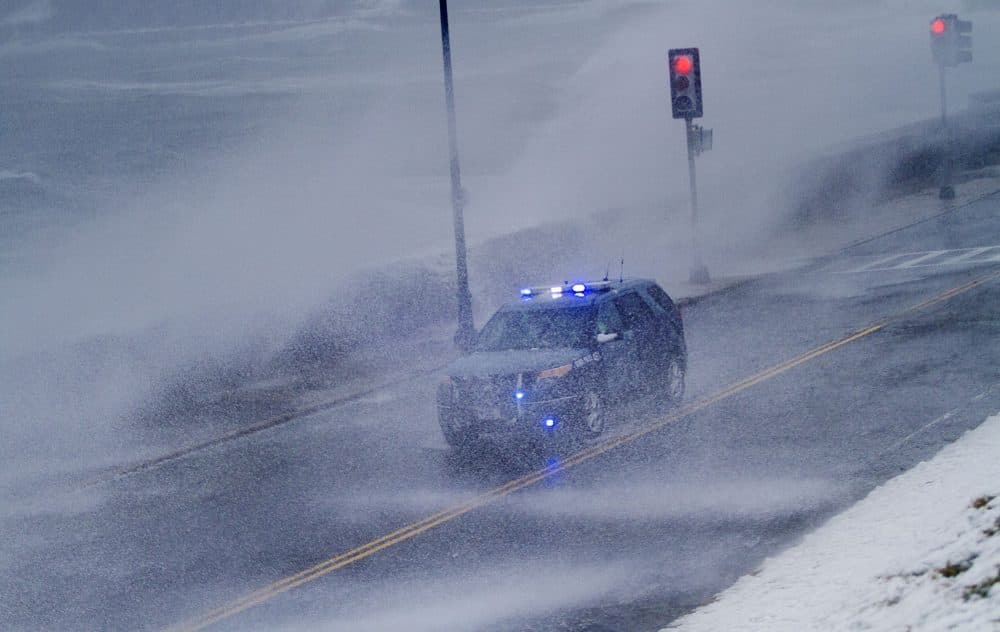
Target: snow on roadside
(921, 552)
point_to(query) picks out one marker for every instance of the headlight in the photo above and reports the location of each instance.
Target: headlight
(559, 371)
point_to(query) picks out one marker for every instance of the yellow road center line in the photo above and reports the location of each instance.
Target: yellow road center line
(412, 530)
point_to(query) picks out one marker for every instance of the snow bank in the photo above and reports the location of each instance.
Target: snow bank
(921, 552)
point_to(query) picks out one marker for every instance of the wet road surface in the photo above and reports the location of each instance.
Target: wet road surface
(627, 539)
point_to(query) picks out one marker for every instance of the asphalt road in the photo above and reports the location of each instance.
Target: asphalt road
(624, 537)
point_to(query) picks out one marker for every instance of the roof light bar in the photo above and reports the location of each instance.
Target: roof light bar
(577, 289)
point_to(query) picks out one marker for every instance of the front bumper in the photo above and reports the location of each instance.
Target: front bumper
(531, 417)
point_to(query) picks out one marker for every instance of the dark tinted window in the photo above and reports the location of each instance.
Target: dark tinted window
(538, 329)
(634, 312)
(657, 294)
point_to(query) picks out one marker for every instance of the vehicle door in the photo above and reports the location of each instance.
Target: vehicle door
(615, 353)
(662, 300)
(669, 328)
(640, 336)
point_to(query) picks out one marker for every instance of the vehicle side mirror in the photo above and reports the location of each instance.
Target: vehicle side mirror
(602, 338)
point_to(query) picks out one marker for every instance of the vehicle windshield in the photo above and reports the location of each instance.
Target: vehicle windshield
(570, 327)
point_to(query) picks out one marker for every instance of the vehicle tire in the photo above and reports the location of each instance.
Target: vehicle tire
(594, 415)
(673, 380)
(456, 439)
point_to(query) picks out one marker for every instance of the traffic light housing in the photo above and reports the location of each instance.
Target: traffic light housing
(949, 44)
(685, 82)
(962, 43)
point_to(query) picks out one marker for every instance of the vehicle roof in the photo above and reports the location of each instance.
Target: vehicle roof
(547, 300)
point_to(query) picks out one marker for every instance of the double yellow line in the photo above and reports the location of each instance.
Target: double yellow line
(412, 530)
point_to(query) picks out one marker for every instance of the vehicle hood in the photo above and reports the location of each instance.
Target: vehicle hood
(487, 363)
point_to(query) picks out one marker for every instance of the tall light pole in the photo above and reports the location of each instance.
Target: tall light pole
(466, 333)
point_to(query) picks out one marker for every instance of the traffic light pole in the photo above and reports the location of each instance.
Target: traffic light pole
(699, 271)
(947, 190)
(949, 47)
(465, 335)
(944, 102)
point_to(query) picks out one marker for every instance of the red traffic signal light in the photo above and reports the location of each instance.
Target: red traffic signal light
(685, 82)
(949, 46)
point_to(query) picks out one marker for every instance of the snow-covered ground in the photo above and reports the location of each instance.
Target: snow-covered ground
(921, 552)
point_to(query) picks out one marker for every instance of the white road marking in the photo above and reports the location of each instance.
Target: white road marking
(932, 423)
(929, 258)
(879, 262)
(975, 252)
(948, 415)
(912, 263)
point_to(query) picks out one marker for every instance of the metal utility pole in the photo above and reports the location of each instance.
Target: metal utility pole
(466, 333)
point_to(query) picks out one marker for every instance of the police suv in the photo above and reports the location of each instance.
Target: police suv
(559, 358)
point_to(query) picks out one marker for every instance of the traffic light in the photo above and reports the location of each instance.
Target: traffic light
(685, 82)
(939, 39)
(949, 45)
(963, 43)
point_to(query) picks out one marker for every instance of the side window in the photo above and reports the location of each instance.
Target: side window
(634, 312)
(609, 320)
(657, 294)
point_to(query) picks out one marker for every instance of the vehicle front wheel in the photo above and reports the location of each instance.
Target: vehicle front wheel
(454, 437)
(674, 380)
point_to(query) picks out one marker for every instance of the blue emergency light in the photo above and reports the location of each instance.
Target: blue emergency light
(577, 289)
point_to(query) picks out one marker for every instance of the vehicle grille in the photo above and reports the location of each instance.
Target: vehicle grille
(491, 397)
